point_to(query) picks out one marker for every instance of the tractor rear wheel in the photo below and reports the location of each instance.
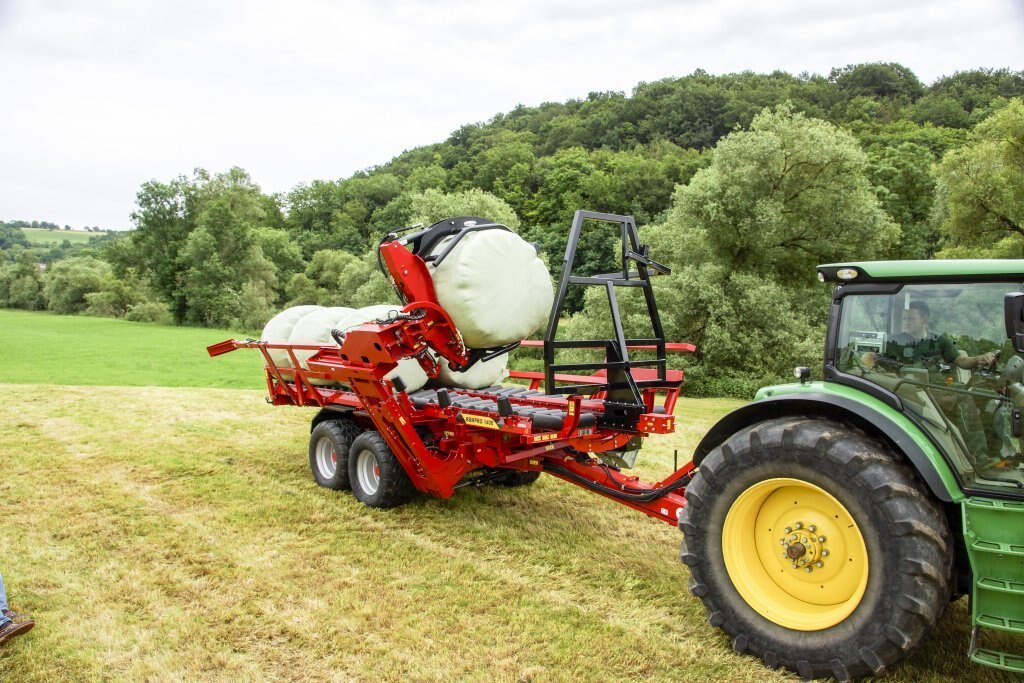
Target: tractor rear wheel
(378, 479)
(329, 444)
(815, 548)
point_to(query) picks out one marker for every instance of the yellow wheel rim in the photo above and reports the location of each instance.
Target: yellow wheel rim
(795, 554)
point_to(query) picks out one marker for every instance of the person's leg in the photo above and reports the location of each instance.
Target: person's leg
(4, 608)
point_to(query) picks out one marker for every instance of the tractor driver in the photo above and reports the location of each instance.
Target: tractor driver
(917, 346)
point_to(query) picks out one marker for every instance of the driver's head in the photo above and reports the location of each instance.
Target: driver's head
(915, 319)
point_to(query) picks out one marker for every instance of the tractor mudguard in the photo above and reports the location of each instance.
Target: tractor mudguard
(867, 413)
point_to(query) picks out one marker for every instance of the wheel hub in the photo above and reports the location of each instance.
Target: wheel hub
(795, 554)
(804, 546)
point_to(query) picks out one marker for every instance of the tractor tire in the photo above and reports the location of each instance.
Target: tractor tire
(378, 479)
(516, 479)
(329, 444)
(815, 548)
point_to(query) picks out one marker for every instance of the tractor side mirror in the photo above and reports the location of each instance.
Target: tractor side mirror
(1013, 312)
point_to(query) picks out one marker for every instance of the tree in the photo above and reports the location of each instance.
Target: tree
(164, 217)
(9, 236)
(878, 80)
(905, 185)
(201, 242)
(784, 196)
(981, 186)
(226, 280)
(69, 281)
(431, 206)
(21, 283)
(743, 238)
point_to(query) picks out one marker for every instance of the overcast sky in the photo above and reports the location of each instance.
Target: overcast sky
(98, 96)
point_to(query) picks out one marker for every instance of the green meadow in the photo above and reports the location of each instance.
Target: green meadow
(42, 236)
(41, 348)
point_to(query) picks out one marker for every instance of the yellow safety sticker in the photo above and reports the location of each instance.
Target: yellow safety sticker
(479, 421)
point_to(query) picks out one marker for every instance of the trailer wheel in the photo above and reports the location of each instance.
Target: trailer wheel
(329, 444)
(815, 548)
(378, 479)
(516, 479)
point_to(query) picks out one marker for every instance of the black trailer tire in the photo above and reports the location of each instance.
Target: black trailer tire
(874, 596)
(329, 444)
(516, 479)
(378, 479)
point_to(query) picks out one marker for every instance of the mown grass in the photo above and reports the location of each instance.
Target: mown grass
(40, 236)
(175, 534)
(55, 349)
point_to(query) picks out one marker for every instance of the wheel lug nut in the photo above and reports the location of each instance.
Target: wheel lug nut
(810, 569)
(789, 529)
(794, 566)
(799, 525)
(819, 564)
(824, 553)
(812, 528)
(821, 539)
(803, 539)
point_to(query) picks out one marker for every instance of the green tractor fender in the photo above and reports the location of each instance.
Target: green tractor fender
(845, 405)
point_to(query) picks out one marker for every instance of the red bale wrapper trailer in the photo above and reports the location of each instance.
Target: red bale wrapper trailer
(383, 442)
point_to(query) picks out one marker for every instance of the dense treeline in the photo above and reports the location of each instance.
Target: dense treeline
(741, 182)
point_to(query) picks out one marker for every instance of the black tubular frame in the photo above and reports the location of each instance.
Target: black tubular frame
(624, 403)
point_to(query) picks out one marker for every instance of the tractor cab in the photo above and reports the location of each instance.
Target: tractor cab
(930, 339)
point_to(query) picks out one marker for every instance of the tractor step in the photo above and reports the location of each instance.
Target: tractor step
(998, 660)
(992, 535)
(1006, 661)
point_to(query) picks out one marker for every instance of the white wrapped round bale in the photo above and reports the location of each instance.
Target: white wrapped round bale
(315, 328)
(494, 286)
(479, 376)
(278, 330)
(408, 369)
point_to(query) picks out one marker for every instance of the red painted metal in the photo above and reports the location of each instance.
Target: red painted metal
(438, 446)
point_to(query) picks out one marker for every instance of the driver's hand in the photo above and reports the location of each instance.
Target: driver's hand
(869, 360)
(985, 359)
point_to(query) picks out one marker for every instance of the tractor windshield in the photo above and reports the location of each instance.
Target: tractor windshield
(942, 348)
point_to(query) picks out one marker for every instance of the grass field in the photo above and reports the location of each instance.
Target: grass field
(40, 236)
(55, 349)
(169, 533)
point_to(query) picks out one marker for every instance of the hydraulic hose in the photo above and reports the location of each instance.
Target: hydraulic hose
(645, 497)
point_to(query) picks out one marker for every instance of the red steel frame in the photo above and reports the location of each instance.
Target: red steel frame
(437, 445)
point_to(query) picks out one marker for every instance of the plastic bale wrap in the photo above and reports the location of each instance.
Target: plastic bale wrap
(278, 330)
(315, 328)
(494, 286)
(408, 368)
(479, 376)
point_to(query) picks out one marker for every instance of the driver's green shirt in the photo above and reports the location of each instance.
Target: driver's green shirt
(923, 352)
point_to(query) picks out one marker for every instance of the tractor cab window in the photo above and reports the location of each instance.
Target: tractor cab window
(942, 348)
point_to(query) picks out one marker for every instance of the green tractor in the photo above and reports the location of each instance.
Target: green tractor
(831, 522)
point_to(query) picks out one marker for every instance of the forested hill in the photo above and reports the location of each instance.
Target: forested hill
(742, 182)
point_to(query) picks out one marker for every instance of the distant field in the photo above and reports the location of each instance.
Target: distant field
(43, 236)
(52, 349)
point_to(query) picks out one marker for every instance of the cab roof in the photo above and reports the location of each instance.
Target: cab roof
(936, 270)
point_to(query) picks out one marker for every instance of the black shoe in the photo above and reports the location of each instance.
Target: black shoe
(15, 616)
(11, 630)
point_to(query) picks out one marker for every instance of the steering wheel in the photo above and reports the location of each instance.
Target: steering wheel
(990, 368)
